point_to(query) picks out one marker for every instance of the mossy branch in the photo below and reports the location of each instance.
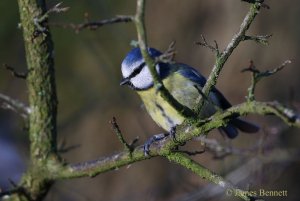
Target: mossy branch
(15, 105)
(221, 58)
(185, 132)
(158, 84)
(208, 175)
(42, 100)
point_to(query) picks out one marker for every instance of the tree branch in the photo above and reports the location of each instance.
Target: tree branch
(206, 174)
(257, 76)
(42, 98)
(14, 72)
(158, 84)
(185, 133)
(93, 25)
(15, 105)
(119, 134)
(222, 58)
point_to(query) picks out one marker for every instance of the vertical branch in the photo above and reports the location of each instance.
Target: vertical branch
(142, 38)
(222, 58)
(42, 99)
(139, 21)
(40, 80)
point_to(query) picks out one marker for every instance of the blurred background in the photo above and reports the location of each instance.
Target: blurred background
(88, 75)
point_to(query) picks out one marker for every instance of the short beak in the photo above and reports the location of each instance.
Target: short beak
(125, 81)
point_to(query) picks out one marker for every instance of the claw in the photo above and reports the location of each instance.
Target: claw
(173, 133)
(151, 140)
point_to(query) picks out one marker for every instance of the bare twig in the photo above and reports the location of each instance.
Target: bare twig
(14, 72)
(257, 76)
(63, 148)
(158, 84)
(133, 143)
(220, 151)
(55, 9)
(222, 58)
(93, 25)
(39, 20)
(259, 39)
(15, 105)
(190, 153)
(118, 132)
(204, 43)
(168, 55)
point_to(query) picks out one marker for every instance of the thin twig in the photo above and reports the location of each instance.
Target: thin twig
(190, 153)
(168, 55)
(93, 25)
(63, 148)
(14, 72)
(55, 9)
(222, 58)
(119, 134)
(15, 105)
(259, 39)
(133, 143)
(257, 76)
(204, 43)
(39, 20)
(158, 84)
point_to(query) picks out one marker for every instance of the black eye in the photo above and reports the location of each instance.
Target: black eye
(137, 70)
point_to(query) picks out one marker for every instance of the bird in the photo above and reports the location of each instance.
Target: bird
(184, 83)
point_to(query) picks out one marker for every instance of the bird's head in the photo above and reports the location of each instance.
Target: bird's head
(135, 71)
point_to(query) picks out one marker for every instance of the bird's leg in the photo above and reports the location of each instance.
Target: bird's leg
(173, 133)
(173, 136)
(153, 139)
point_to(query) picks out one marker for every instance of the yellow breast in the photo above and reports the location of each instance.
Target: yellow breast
(160, 111)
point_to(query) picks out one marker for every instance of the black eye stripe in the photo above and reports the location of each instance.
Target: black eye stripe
(137, 70)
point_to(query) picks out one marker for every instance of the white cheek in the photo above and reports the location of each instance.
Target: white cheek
(127, 69)
(143, 79)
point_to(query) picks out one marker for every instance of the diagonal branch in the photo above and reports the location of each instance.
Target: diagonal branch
(15, 105)
(222, 58)
(207, 174)
(14, 72)
(185, 133)
(158, 84)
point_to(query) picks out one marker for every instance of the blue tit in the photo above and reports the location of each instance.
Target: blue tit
(183, 82)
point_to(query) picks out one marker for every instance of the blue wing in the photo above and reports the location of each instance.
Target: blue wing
(193, 75)
(231, 131)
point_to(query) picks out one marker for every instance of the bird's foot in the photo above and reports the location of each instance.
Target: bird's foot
(173, 133)
(151, 140)
(173, 136)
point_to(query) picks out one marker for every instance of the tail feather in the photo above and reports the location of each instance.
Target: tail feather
(231, 129)
(245, 126)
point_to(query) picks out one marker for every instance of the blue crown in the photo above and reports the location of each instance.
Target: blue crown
(135, 55)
